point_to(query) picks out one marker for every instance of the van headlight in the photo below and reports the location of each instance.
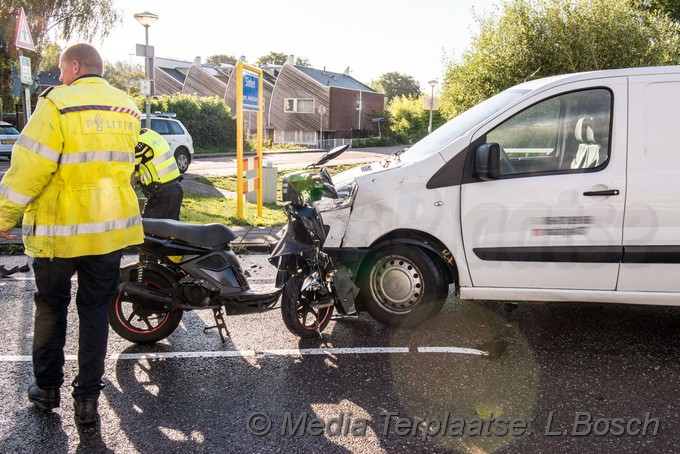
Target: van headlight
(347, 191)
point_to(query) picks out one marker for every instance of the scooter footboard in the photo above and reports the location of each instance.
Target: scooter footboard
(255, 300)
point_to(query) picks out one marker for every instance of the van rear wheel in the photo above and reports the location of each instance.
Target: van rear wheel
(401, 286)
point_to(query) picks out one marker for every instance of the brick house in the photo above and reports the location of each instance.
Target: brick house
(302, 105)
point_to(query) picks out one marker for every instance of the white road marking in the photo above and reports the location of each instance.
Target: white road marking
(461, 350)
(274, 352)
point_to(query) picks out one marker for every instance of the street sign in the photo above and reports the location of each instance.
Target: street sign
(22, 37)
(145, 87)
(428, 101)
(251, 99)
(25, 70)
(144, 51)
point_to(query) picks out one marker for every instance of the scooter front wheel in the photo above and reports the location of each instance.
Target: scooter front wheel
(298, 312)
(137, 322)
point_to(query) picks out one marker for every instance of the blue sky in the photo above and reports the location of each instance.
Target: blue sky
(370, 37)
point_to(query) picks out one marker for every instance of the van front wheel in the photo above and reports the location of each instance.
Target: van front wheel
(401, 286)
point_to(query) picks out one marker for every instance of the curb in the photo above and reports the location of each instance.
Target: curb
(251, 153)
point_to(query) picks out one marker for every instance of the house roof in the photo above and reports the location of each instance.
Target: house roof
(171, 63)
(175, 73)
(331, 79)
(49, 78)
(269, 78)
(178, 70)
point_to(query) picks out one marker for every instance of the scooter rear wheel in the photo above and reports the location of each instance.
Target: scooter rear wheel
(301, 319)
(136, 322)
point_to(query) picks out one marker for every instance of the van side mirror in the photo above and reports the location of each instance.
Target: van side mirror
(487, 161)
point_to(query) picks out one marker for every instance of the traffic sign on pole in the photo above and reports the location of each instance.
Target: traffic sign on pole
(251, 85)
(22, 37)
(25, 70)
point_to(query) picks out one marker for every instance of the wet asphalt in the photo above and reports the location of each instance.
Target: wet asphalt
(556, 377)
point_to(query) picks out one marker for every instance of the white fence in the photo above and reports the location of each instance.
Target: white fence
(310, 139)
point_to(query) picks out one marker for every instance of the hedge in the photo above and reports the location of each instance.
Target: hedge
(208, 119)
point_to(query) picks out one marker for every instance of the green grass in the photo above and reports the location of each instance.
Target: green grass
(203, 209)
(12, 249)
(228, 182)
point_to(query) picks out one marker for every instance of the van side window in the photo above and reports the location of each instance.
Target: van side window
(567, 133)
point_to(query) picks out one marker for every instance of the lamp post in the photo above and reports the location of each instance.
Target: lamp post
(432, 83)
(146, 19)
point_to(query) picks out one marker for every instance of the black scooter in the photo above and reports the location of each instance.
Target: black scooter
(188, 267)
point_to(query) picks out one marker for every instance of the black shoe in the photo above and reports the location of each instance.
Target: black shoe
(86, 411)
(47, 399)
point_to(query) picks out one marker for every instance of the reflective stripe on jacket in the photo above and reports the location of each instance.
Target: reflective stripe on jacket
(154, 159)
(70, 173)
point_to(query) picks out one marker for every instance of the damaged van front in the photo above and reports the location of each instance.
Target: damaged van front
(396, 228)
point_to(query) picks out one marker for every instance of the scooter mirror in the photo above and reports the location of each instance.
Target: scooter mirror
(331, 154)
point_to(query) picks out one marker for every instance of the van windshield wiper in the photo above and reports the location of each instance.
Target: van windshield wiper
(393, 157)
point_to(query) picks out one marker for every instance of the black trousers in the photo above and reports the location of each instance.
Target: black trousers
(98, 278)
(165, 203)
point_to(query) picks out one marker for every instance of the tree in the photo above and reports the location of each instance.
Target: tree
(408, 121)
(540, 38)
(395, 84)
(299, 61)
(67, 19)
(124, 76)
(50, 57)
(279, 58)
(670, 7)
(220, 59)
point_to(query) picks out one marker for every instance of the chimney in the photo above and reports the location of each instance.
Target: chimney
(290, 60)
(346, 73)
(197, 61)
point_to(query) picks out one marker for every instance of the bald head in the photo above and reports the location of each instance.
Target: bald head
(80, 59)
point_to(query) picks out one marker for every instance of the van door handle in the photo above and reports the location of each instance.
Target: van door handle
(605, 193)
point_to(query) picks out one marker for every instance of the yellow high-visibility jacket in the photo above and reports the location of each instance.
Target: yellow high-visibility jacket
(70, 173)
(154, 159)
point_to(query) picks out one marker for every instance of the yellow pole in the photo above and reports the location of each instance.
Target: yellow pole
(240, 66)
(239, 139)
(259, 144)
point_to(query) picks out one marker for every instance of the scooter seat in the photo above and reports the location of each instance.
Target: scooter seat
(204, 235)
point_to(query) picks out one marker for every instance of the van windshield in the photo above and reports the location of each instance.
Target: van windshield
(461, 124)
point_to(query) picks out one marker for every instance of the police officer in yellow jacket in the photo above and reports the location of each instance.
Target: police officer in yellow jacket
(70, 177)
(159, 176)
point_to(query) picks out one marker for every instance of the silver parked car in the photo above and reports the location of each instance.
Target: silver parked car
(8, 136)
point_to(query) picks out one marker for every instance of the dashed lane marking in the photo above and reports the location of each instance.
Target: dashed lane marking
(461, 350)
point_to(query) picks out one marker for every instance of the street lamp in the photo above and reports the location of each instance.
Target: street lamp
(146, 19)
(432, 84)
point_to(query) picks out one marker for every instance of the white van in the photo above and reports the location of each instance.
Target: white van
(560, 189)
